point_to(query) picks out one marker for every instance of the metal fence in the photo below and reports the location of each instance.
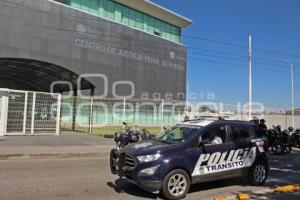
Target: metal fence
(31, 113)
(86, 114)
(27, 113)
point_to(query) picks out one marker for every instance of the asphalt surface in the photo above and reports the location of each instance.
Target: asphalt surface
(54, 146)
(89, 179)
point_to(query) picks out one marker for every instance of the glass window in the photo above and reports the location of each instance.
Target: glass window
(118, 13)
(130, 17)
(66, 2)
(215, 135)
(85, 5)
(94, 6)
(125, 16)
(240, 132)
(75, 4)
(139, 20)
(178, 133)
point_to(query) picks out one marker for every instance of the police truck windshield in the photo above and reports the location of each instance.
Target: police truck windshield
(177, 134)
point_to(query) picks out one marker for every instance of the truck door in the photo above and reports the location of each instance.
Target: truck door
(244, 141)
(212, 157)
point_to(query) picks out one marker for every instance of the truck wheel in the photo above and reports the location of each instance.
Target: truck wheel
(258, 173)
(114, 157)
(175, 185)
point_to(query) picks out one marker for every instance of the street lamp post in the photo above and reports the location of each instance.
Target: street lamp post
(250, 80)
(292, 93)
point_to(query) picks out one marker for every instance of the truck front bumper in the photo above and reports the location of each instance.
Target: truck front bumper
(151, 183)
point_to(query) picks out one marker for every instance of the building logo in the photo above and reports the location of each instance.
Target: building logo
(81, 29)
(172, 55)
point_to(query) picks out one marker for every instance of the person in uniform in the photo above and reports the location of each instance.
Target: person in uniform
(262, 127)
(215, 139)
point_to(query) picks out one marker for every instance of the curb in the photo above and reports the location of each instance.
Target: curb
(278, 190)
(51, 156)
(287, 188)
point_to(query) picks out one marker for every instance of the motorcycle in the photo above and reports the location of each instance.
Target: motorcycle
(296, 138)
(123, 138)
(280, 141)
(287, 141)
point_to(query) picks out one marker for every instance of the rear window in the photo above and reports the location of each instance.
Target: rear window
(241, 132)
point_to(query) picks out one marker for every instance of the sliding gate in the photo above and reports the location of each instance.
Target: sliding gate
(32, 113)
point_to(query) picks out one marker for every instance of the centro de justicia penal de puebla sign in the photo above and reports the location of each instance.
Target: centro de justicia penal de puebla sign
(137, 56)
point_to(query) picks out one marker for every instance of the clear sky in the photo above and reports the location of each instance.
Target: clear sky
(223, 68)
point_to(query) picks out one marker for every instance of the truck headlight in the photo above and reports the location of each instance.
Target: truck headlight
(148, 158)
(149, 171)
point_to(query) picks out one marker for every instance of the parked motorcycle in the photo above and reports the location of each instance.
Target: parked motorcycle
(286, 140)
(280, 141)
(123, 138)
(296, 138)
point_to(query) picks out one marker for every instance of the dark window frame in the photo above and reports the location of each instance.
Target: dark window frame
(248, 127)
(215, 126)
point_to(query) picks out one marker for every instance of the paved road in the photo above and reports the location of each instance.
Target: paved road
(88, 179)
(19, 146)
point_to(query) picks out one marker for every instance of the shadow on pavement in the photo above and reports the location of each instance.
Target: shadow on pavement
(122, 185)
(217, 184)
(285, 169)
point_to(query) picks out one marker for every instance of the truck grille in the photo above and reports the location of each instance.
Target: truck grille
(126, 163)
(129, 162)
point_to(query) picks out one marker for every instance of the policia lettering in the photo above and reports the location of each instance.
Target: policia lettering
(216, 162)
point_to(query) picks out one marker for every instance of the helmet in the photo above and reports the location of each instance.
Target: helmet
(262, 121)
(290, 128)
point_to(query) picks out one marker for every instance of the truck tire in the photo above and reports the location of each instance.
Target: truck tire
(175, 185)
(258, 173)
(114, 157)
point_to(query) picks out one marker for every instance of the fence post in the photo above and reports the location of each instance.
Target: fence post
(194, 109)
(267, 116)
(286, 120)
(58, 111)
(25, 112)
(124, 109)
(3, 114)
(162, 114)
(74, 110)
(33, 112)
(91, 116)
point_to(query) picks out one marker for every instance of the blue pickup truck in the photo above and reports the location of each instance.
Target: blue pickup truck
(186, 154)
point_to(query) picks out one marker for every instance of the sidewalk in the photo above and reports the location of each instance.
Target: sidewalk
(63, 146)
